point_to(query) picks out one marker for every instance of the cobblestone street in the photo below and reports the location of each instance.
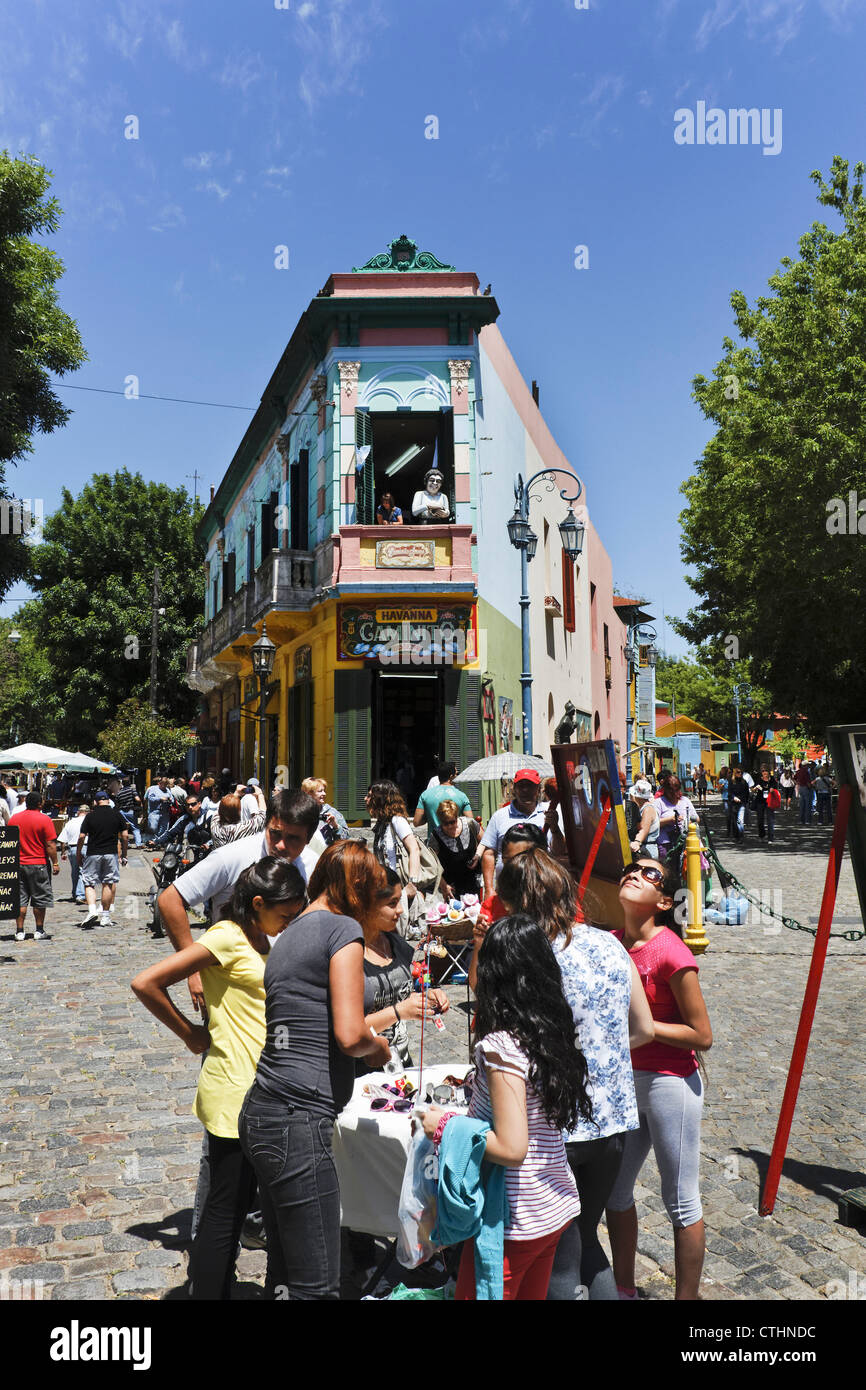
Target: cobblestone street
(100, 1150)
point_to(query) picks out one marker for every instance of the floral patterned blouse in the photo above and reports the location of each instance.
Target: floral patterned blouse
(596, 980)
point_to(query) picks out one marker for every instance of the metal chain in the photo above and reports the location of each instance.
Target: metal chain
(726, 877)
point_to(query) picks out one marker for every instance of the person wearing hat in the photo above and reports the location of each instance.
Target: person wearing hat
(68, 843)
(107, 835)
(646, 840)
(430, 507)
(523, 809)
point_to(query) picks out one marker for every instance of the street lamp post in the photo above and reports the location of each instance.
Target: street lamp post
(524, 539)
(262, 654)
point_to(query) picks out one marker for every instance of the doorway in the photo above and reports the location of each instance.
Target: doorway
(407, 730)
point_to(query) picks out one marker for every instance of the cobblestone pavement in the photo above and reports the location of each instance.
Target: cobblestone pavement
(99, 1150)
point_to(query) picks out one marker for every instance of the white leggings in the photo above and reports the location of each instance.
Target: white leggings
(670, 1123)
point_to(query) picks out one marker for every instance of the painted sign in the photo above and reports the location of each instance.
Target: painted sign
(506, 724)
(9, 858)
(405, 555)
(406, 635)
(586, 775)
(847, 744)
(303, 664)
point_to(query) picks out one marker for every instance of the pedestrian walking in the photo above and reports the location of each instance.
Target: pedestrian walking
(230, 958)
(314, 986)
(738, 798)
(803, 783)
(786, 786)
(157, 801)
(668, 1084)
(822, 787)
(530, 1086)
(128, 803)
(107, 834)
(724, 784)
(430, 800)
(675, 811)
(37, 864)
(646, 836)
(191, 818)
(67, 841)
(701, 785)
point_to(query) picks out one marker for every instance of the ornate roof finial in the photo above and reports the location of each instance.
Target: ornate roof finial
(403, 254)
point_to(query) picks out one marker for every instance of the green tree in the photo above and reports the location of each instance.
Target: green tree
(36, 337)
(28, 708)
(791, 436)
(138, 738)
(703, 689)
(92, 616)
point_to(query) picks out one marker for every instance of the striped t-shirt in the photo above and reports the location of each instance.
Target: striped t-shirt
(541, 1193)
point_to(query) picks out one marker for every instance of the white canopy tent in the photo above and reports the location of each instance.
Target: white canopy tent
(37, 757)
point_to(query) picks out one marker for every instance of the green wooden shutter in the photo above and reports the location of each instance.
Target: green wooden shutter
(301, 733)
(464, 741)
(365, 512)
(352, 755)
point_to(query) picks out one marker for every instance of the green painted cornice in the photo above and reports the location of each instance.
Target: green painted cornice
(403, 254)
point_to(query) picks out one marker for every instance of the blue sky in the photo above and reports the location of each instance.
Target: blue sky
(305, 126)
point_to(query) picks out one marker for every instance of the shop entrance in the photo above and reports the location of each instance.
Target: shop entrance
(407, 729)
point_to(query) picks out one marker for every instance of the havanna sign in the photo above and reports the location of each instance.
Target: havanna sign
(407, 635)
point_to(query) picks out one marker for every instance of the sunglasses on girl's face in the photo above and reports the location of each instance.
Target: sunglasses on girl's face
(647, 871)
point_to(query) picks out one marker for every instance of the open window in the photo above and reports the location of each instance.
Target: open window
(394, 452)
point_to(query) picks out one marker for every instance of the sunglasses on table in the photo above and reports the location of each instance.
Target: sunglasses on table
(650, 872)
(385, 1103)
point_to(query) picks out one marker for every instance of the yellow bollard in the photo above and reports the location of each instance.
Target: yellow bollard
(695, 937)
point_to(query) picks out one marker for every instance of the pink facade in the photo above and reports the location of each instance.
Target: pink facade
(609, 668)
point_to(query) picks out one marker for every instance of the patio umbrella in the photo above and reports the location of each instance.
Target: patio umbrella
(35, 757)
(503, 765)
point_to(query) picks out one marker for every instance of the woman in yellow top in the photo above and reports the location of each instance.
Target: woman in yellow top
(231, 957)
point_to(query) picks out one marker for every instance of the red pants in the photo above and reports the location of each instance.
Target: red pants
(526, 1271)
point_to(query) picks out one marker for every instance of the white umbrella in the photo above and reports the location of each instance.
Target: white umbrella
(503, 765)
(38, 757)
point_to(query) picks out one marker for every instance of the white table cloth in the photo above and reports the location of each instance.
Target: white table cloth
(370, 1149)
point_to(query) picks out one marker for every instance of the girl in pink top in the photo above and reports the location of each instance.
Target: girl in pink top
(530, 1085)
(667, 1081)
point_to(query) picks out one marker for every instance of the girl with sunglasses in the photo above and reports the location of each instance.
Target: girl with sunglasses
(667, 1080)
(530, 1085)
(231, 957)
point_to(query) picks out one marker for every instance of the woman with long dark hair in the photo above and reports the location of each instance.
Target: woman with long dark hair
(611, 1015)
(386, 806)
(231, 958)
(314, 986)
(667, 1080)
(530, 1085)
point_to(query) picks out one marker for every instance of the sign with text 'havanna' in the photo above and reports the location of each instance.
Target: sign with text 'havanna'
(435, 634)
(9, 860)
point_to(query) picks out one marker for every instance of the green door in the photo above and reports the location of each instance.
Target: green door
(463, 732)
(352, 718)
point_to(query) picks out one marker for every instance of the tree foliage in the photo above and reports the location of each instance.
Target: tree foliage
(92, 615)
(703, 689)
(138, 738)
(28, 699)
(791, 436)
(36, 336)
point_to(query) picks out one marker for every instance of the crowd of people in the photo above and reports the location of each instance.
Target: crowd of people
(586, 1047)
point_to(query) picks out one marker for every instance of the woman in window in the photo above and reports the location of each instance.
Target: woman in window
(387, 512)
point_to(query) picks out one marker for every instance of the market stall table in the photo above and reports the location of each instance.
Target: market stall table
(370, 1150)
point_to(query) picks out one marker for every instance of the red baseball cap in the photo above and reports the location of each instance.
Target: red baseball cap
(527, 774)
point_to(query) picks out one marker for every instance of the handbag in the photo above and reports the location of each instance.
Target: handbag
(430, 873)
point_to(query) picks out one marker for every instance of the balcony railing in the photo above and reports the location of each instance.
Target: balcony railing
(283, 582)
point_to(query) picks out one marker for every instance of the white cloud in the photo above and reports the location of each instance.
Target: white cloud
(169, 216)
(336, 46)
(776, 22)
(123, 37)
(200, 161)
(213, 187)
(644, 98)
(242, 71)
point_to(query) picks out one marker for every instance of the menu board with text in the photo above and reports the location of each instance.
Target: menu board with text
(9, 859)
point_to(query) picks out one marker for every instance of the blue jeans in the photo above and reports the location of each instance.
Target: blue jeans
(805, 798)
(136, 833)
(824, 808)
(157, 821)
(75, 869)
(290, 1151)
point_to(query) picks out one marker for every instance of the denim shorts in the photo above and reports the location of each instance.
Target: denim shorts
(100, 868)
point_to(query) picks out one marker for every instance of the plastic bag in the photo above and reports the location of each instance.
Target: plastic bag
(418, 1209)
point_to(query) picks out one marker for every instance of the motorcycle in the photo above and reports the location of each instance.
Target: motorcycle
(166, 868)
